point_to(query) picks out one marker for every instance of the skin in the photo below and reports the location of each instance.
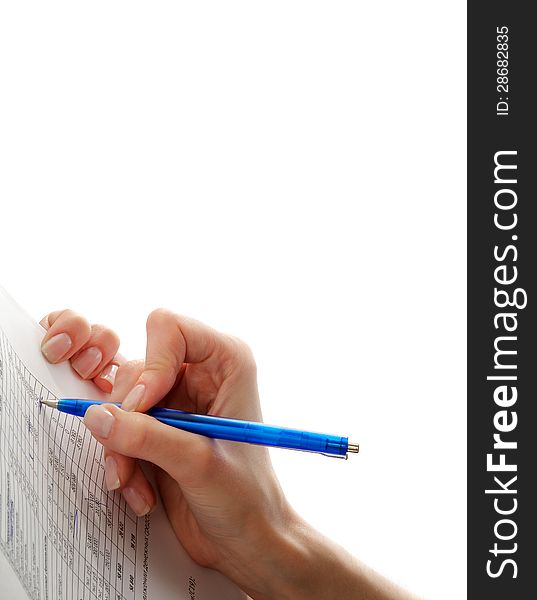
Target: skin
(223, 499)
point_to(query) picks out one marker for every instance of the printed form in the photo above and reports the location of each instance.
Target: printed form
(63, 536)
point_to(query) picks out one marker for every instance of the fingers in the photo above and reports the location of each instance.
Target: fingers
(139, 494)
(105, 379)
(67, 333)
(118, 470)
(171, 341)
(97, 352)
(125, 466)
(92, 350)
(124, 474)
(187, 457)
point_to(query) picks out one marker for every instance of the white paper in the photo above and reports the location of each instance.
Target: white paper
(62, 534)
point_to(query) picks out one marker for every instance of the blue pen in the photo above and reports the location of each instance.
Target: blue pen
(236, 430)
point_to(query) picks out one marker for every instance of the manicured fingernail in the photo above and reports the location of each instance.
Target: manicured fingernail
(109, 373)
(134, 397)
(87, 361)
(44, 322)
(136, 501)
(56, 347)
(99, 420)
(111, 477)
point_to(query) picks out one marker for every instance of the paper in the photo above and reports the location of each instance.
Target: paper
(62, 534)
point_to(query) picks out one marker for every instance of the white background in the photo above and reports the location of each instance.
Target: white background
(289, 172)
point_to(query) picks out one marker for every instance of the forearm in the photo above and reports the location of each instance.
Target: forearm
(295, 562)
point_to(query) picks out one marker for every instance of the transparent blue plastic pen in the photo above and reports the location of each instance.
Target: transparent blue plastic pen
(230, 429)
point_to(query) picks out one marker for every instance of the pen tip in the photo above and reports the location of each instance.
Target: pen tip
(51, 403)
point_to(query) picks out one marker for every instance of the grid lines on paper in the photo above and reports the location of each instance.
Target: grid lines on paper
(62, 532)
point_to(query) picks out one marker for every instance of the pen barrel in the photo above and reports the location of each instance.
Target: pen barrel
(74, 407)
(235, 430)
(255, 433)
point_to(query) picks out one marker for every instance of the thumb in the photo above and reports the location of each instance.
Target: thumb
(186, 456)
(172, 340)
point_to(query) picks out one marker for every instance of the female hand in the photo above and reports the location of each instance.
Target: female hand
(91, 349)
(222, 498)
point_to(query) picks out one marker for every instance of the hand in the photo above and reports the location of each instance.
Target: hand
(91, 349)
(216, 493)
(222, 498)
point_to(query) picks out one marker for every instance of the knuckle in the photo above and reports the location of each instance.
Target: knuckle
(159, 316)
(198, 460)
(133, 439)
(106, 336)
(205, 460)
(53, 316)
(160, 371)
(160, 364)
(79, 323)
(244, 355)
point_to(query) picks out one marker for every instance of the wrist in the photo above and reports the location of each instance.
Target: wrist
(289, 560)
(312, 567)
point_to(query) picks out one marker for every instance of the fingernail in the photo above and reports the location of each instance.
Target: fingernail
(134, 397)
(109, 373)
(44, 322)
(56, 347)
(86, 362)
(99, 420)
(111, 477)
(136, 501)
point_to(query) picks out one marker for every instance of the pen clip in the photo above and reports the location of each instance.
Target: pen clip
(336, 455)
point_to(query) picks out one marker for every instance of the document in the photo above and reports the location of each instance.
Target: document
(63, 536)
